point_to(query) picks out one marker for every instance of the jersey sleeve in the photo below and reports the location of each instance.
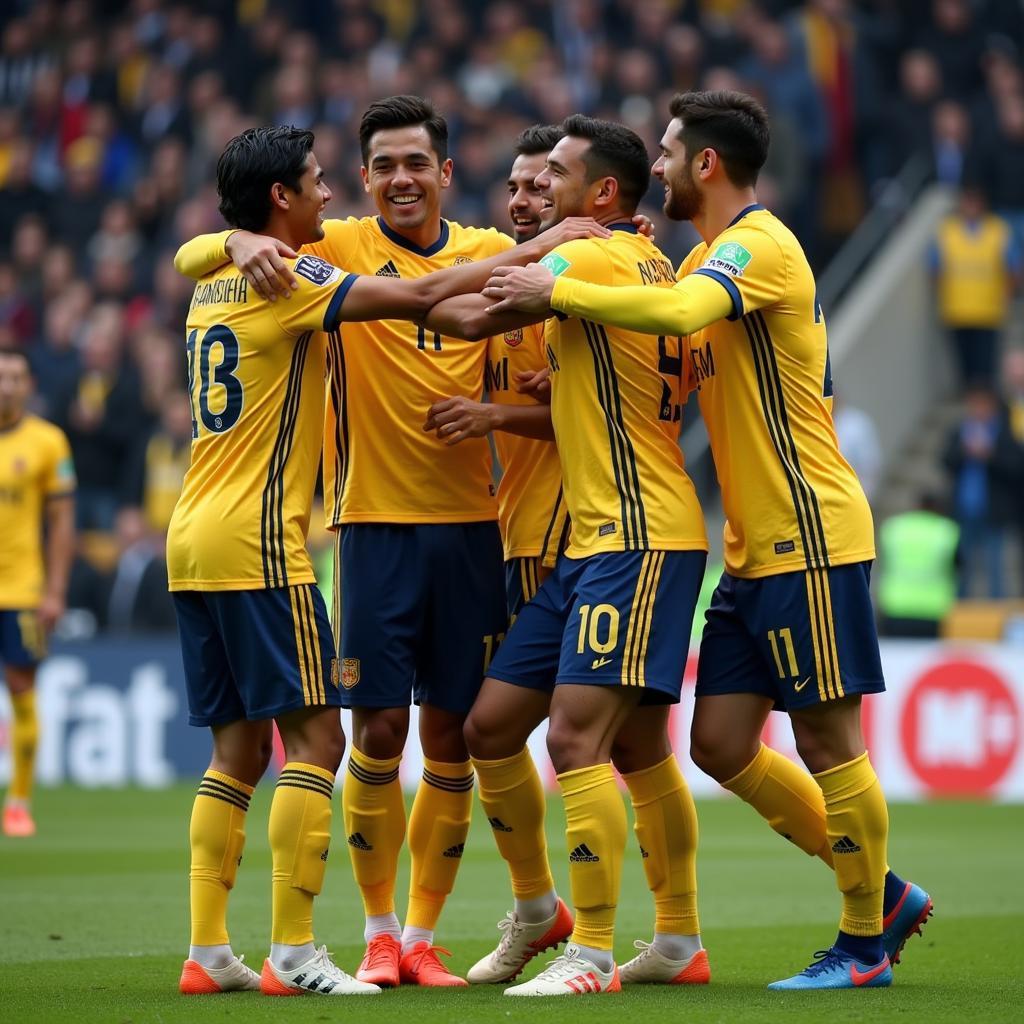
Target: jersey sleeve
(750, 265)
(316, 306)
(59, 479)
(202, 255)
(341, 239)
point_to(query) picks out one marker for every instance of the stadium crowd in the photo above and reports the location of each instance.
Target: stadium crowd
(112, 116)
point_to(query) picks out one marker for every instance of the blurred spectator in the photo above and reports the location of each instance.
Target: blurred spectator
(986, 466)
(102, 416)
(76, 217)
(1013, 381)
(859, 444)
(917, 570)
(975, 261)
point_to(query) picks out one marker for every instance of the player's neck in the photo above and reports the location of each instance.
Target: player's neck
(615, 216)
(721, 210)
(277, 227)
(424, 236)
(10, 421)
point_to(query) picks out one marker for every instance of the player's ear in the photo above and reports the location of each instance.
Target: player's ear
(366, 178)
(279, 196)
(708, 161)
(446, 173)
(607, 191)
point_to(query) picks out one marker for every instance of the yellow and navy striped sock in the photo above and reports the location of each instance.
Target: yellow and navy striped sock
(374, 813)
(300, 838)
(216, 838)
(438, 827)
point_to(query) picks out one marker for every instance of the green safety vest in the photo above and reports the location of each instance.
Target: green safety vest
(918, 570)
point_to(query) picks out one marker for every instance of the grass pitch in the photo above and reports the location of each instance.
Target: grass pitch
(94, 923)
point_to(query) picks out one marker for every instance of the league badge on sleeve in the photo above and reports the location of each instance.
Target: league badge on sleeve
(729, 258)
(558, 265)
(319, 271)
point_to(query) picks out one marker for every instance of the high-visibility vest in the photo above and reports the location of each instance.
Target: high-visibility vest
(918, 578)
(972, 275)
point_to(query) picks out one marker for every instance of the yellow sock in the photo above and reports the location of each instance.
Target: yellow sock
(24, 739)
(857, 825)
(438, 826)
(595, 829)
(300, 837)
(788, 798)
(374, 812)
(217, 837)
(666, 829)
(512, 796)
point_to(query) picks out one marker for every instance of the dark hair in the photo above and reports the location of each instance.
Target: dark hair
(403, 112)
(733, 124)
(251, 164)
(538, 138)
(616, 151)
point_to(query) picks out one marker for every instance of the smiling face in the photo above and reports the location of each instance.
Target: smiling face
(525, 201)
(683, 199)
(563, 184)
(405, 177)
(306, 206)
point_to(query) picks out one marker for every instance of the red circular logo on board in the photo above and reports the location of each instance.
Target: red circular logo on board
(961, 729)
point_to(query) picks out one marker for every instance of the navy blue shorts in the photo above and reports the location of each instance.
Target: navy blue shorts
(255, 653)
(421, 608)
(523, 577)
(22, 638)
(800, 638)
(613, 619)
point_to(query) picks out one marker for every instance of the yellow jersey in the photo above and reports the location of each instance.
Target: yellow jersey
(759, 358)
(531, 506)
(35, 467)
(974, 271)
(616, 406)
(380, 466)
(256, 382)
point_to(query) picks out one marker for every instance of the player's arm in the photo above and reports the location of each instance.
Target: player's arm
(468, 316)
(455, 419)
(60, 549)
(691, 304)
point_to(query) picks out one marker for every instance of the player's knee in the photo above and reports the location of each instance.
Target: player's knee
(381, 733)
(712, 758)
(568, 748)
(487, 737)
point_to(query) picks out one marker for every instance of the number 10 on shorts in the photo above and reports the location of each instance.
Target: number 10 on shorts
(595, 620)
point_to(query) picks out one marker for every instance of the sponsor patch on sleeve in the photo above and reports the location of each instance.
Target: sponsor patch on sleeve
(555, 263)
(66, 471)
(319, 271)
(729, 258)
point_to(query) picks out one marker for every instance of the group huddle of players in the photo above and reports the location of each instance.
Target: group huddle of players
(568, 595)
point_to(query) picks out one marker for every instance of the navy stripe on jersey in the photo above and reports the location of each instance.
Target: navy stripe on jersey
(334, 307)
(555, 530)
(339, 388)
(730, 286)
(805, 501)
(627, 477)
(275, 572)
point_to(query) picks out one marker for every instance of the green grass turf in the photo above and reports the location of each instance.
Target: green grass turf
(94, 924)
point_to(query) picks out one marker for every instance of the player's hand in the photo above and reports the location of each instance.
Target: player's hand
(527, 289)
(455, 419)
(536, 384)
(49, 612)
(566, 231)
(261, 259)
(644, 225)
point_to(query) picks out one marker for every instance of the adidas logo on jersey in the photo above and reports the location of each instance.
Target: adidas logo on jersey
(583, 855)
(845, 845)
(357, 840)
(498, 825)
(455, 851)
(388, 270)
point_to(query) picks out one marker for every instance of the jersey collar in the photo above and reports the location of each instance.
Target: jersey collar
(431, 250)
(623, 225)
(746, 209)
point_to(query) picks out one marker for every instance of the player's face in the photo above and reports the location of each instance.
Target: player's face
(405, 177)
(683, 200)
(524, 199)
(15, 387)
(306, 207)
(563, 183)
